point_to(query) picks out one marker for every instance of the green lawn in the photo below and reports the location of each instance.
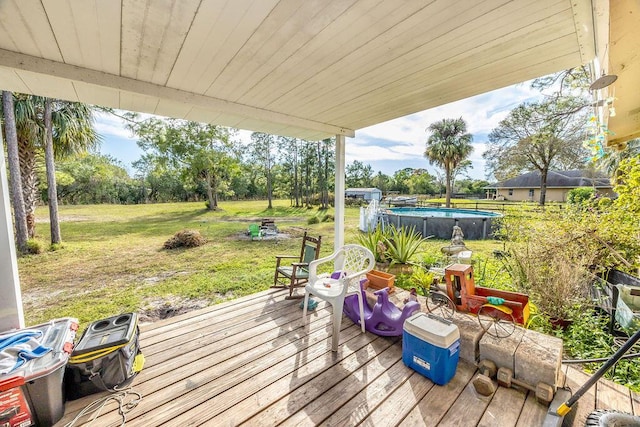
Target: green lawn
(112, 259)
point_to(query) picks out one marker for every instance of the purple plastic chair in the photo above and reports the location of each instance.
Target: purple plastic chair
(384, 318)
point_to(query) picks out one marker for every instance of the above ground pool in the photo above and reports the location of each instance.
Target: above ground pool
(439, 222)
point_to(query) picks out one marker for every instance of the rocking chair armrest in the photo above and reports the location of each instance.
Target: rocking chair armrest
(279, 258)
(300, 264)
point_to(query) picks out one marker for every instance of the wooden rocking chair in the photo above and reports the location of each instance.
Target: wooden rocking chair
(297, 273)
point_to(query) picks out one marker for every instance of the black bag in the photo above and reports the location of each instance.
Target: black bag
(107, 357)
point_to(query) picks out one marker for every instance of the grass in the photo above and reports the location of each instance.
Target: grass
(112, 261)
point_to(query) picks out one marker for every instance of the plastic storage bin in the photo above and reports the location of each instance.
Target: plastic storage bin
(34, 393)
(431, 347)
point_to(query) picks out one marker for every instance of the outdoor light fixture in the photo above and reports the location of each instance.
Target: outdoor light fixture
(603, 81)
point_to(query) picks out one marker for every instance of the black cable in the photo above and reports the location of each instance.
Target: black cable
(600, 359)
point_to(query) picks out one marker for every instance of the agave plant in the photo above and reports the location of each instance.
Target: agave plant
(402, 243)
(375, 241)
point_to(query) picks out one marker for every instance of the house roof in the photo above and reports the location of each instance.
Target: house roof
(309, 69)
(558, 179)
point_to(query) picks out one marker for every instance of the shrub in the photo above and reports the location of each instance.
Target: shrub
(550, 258)
(313, 220)
(581, 195)
(374, 240)
(55, 247)
(402, 243)
(186, 239)
(328, 218)
(34, 247)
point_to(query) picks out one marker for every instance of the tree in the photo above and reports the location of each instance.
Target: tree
(263, 155)
(447, 147)
(11, 137)
(289, 153)
(51, 173)
(382, 182)
(72, 132)
(326, 165)
(538, 136)
(203, 152)
(94, 178)
(358, 175)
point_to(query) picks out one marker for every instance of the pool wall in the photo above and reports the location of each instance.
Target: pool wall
(442, 227)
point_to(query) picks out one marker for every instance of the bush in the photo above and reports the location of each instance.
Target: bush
(186, 239)
(402, 243)
(374, 241)
(581, 195)
(328, 218)
(55, 247)
(551, 259)
(34, 247)
(313, 220)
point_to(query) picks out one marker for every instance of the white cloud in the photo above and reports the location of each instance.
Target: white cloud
(482, 113)
(108, 124)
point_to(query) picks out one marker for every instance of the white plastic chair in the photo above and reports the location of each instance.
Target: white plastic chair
(353, 262)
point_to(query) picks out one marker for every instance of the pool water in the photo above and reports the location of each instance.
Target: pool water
(443, 213)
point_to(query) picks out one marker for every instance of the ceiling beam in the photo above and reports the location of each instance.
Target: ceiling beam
(42, 66)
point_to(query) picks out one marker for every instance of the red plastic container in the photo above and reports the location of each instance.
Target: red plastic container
(34, 393)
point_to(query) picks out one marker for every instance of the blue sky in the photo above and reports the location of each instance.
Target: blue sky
(387, 146)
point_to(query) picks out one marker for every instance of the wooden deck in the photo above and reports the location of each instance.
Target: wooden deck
(250, 361)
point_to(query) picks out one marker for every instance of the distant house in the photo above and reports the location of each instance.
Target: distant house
(363, 193)
(526, 187)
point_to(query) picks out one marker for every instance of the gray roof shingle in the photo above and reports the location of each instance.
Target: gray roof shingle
(558, 179)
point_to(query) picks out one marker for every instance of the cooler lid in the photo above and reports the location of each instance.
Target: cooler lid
(58, 335)
(432, 329)
(107, 333)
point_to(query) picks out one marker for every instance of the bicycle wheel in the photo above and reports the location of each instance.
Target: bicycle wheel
(440, 305)
(496, 322)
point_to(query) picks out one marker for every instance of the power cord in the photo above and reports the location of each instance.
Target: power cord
(127, 400)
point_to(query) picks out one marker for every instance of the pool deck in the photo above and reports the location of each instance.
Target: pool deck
(251, 361)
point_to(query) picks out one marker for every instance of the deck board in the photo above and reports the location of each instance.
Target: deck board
(252, 361)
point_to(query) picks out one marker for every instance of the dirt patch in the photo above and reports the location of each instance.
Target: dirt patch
(164, 308)
(65, 218)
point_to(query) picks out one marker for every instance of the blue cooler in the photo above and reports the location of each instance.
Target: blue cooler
(431, 347)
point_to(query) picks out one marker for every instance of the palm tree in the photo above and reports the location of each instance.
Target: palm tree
(52, 191)
(447, 147)
(72, 131)
(11, 137)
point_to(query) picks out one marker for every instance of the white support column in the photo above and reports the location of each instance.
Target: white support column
(11, 314)
(339, 192)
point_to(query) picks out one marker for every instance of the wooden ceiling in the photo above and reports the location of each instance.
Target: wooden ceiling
(624, 62)
(310, 69)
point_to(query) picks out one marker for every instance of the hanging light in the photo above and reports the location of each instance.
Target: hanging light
(612, 111)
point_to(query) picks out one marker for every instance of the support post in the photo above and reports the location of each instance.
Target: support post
(339, 193)
(11, 314)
